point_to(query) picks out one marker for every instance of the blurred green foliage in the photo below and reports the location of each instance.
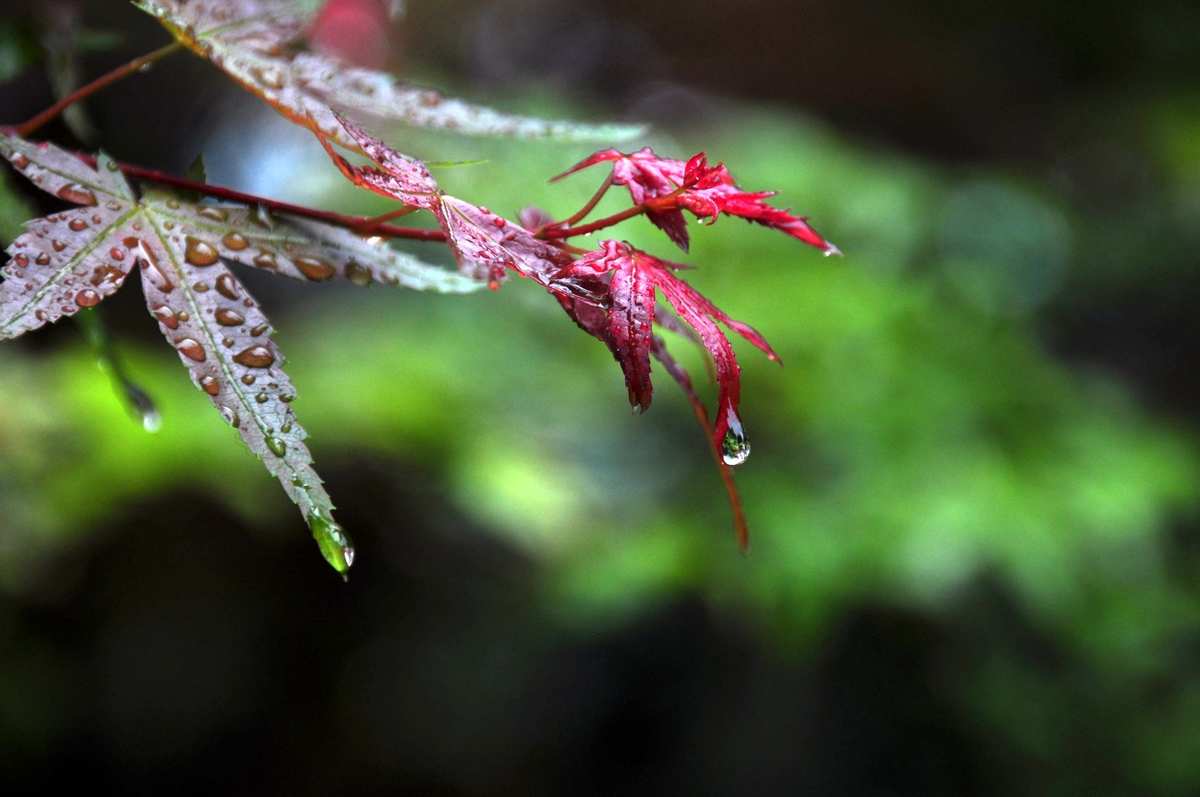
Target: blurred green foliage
(917, 436)
(920, 439)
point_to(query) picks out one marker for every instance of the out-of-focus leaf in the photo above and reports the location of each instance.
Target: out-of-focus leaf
(254, 42)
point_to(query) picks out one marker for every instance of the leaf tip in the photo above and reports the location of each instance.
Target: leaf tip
(333, 543)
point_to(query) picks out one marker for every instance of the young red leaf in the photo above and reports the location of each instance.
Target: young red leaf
(628, 265)
(667, 186)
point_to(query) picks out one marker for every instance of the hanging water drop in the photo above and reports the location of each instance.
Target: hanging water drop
(334, 544)
(735, 447)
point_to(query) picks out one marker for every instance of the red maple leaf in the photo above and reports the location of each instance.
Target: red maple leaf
(667, 187)
(631, 309)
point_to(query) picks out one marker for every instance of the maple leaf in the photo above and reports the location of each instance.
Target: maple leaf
(609, 293)
(255, 43)
(635, 275)
(667, 187)
(74, 259)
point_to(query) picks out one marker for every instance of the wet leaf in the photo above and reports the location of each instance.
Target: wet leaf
(72, 260)
(255, 43)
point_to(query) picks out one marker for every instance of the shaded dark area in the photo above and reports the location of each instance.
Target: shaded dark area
(185, 639)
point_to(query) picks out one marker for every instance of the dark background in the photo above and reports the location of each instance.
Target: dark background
(977, 547)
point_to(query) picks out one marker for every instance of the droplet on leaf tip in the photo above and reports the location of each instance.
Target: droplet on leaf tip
(333, 543)
(735, 447)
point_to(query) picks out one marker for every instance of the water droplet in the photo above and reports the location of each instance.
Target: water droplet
(259, 330)
(255, 357)
(87, 298)
(229, 318)
(199, 253)
(20, 161)
(314, 268)
(72, 192)
(266, 261)
(213, 213)
(78, 225)
(227, 287)
(191, 349)
(58, 245)
(43, 259)
(116, 253)
(184, 315)
(357, 274)
(173, 204)
(335, 546)
(21, 260)
(831, 250)
(231, 417)
(277, 446)
(735, 448)
(200, 287)
(248, 379)
(235, 241)
(166, 316)
(210, 385)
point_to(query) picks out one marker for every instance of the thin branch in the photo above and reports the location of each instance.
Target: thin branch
(585, 229)
(582, 213)
(220, 192)
(35, 123)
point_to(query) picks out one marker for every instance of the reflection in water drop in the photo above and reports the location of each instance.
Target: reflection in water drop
(334, 544)
(735, 448)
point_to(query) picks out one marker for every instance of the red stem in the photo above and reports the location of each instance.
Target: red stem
(328, 216)
(599, 224)
(27, 128)
(582, 213)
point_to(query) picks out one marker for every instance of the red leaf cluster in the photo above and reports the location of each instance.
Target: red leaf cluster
(610, 292)
(666, 187)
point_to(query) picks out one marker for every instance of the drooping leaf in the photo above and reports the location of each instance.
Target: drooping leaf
(254, 42)
(72, 260)
(677, 372)
(669, 186)
(632, 267)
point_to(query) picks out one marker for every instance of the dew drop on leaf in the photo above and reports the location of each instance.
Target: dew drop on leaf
(73, 192)
(87, 298)
(227, 287)
(199, 253)
(277, 446)
(231, 417)
(235, 241)
(255, 357)
(210, 385)
(229, 318)
(191, 349)
(315, 269)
